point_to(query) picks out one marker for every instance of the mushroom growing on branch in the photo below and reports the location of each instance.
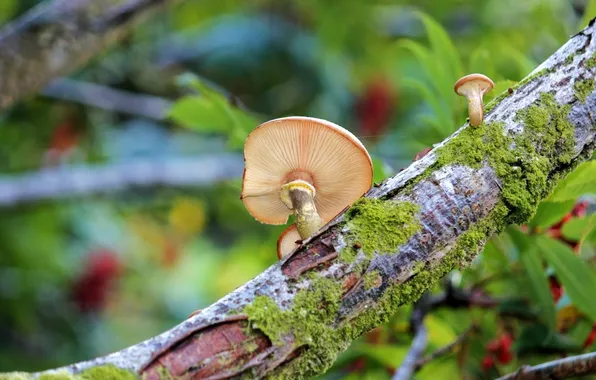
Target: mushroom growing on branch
(305, 166)
(288, 241)
(473, 87)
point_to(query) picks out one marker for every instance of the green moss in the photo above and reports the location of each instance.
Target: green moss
(309, 321)
(380, 226)
(106, 372)
(523, 161)
(372, 280)
(583, 89)
(569, 59)
(590, 62)
(15, 376)
(313, 318)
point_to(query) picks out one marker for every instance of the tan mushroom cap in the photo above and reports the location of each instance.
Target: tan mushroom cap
(286, 242)
(322, 153)
(471, 82)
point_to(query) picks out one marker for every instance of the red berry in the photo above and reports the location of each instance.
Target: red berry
(488, 362)
(555, 288)
(506, 342)
(375, 107)
(505, 357)
(493, 346)
(580, 209)
(91, 289)
(591, 337)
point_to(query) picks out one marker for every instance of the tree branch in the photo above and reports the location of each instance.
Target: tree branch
(293, 320)
(408, 366)
(151, 107)
(72, 181)
(447, 348)
(572, 366)
(56, 37)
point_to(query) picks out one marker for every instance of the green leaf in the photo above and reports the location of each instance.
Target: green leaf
(482, 62)
(198, 113)
(380, 170)
(211, 112)
(589, 13)
(387, 355)
(537, 275)
(579, 182)
(549, 213)
(578, 229)
(575, 275)
(440, 369)
(440, 333)
(445, 57)
(536, 339)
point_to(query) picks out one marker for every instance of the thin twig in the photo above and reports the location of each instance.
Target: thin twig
(107, 98)
(407, 367)
(572, 366)
(447, 348)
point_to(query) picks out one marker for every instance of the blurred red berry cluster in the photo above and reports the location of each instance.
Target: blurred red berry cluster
(91, 289)
(499, 351)
(556, 289)
(374, 108)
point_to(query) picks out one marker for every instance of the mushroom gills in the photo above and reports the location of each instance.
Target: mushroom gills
(299, 196)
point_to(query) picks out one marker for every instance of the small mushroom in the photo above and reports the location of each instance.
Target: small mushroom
(305, 166)
(287, 241)
(473, 87)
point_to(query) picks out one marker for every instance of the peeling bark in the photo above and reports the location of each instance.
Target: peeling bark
(58, 36)
(459, 207)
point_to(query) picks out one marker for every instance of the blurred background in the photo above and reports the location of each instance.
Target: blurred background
(119, 185)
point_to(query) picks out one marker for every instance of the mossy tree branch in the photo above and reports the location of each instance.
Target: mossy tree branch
(59, 36)
(293, 319)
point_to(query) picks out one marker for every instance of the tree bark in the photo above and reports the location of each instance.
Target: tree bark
(59, 36)
(292, 320)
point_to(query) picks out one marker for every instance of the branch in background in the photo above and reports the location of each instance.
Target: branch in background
(572, 366)
(447, 348)
(151, 107)
(73, 181)
(393, 244)
(57, 37)
(408, 366)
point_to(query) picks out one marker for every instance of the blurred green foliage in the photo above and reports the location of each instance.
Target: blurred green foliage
(142, 260)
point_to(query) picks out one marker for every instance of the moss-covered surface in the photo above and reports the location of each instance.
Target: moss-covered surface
(372, 280)
(106, 372)
(583, 89)
(379, 226)
(590, 62)
(524, 163)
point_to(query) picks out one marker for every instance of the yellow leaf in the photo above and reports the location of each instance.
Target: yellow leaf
(187, 216)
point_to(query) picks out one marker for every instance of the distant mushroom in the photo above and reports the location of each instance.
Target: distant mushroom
(309, 167)
(473, 87)
(286, 242)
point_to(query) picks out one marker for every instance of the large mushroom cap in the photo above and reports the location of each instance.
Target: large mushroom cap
(473, 82)
(317, 151)
(286, 242)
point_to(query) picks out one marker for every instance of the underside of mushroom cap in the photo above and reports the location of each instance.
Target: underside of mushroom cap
(317, 151)
(286, 242)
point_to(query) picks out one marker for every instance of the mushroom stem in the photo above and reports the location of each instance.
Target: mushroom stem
(299, 196)
(475, 109)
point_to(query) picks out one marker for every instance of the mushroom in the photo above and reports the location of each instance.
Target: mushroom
(288, 241)
(473, 87)
(305, 166)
